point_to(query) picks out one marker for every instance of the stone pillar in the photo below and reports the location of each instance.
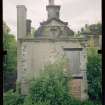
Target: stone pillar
(21, 21)
(21, 33)
(84, 83)
(53, 11)
(28, 24)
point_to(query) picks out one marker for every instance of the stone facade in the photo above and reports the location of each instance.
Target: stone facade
(53, 27)
(53, 39)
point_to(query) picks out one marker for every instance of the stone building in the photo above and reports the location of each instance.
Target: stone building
(52, 40)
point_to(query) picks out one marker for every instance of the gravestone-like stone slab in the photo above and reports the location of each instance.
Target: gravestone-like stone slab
(75, 88)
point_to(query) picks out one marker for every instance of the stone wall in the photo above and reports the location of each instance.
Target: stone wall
(33, 55)
(75, 88)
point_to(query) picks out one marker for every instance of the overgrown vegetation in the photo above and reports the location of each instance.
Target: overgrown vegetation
(10, 60)
(50, 88)
(93, 29)
(94, 75)
(12, 98)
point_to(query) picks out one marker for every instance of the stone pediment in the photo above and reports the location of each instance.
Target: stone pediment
(54, 28)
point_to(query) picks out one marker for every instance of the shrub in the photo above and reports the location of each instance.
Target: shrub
(42, 103)
(51, 86)
(89, 102)
(28, 101)
(12, 98)
(94, 75)
(10, 61)
(75, 102)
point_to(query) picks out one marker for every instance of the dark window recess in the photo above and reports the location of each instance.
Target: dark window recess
(73, 49)
(99, 51)
(4, 58)
(77, 77)
(5, 52)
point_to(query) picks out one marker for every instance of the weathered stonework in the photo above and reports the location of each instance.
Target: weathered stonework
(75, 88)
(53, 39)
(21, 21)
(53, 27)
(35, 54)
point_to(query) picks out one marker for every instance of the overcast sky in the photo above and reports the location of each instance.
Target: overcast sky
(76, 12)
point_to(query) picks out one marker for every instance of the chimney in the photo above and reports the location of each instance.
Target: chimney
(28, 23)
(21, 21)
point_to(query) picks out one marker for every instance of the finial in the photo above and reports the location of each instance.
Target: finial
(51, 2)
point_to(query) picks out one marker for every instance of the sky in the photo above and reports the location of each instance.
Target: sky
(76, 12)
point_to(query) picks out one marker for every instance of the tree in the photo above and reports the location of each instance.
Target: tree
(9, 66)
(93, 29)
(94, 75)
(33, 31)
(6, 29)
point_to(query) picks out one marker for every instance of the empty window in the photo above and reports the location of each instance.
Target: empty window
(74, 60)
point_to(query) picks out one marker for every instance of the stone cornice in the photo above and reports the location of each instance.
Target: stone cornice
(54, 40)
